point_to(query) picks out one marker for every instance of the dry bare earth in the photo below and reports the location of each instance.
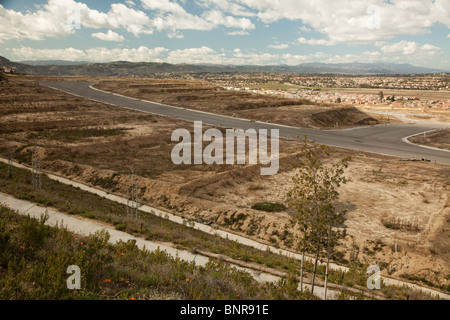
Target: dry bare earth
(203, 96)
(97, 144)
(438, 139)
(421, 94)
(388, 202)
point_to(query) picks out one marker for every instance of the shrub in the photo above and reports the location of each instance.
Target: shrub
(34, 259)
(121, 227)
(269, 207)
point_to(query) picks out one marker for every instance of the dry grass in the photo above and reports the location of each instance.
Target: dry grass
(438, 139)
(421, 94)
(203, 96)
(380, 187)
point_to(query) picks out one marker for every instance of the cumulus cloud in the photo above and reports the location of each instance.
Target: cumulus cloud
(94, 54)
(359, 21)
(238, 33)
(349, 21)
(54, 18)
(170, 15)
(109, 36)
(409, 48)
(388, 52)
(316, 42)
(278, 46)
(231, 7)
(203, 55)
(68, 54)
(320, 23)
(305, 29)
(402, 47)
(219, 18)
(46, 22)
(119, 16)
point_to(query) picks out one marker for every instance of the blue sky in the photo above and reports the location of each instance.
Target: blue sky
(262, 32)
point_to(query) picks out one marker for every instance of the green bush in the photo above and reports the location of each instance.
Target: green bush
(269, 207)
(34, 259)
(121, 227)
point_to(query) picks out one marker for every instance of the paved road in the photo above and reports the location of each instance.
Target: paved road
(380, 139)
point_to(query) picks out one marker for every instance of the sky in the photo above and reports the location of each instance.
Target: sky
(237, 32)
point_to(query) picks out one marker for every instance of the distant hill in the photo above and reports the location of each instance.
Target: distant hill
(52, 62)
(143, 69)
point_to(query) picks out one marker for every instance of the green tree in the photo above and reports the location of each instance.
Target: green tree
(314, 198)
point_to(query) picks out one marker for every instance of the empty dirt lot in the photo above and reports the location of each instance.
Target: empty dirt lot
(438, 139)
(203, 96)
(398, 212)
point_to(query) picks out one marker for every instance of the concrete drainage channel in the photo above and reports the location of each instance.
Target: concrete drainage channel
(86, 228)
(229, 236)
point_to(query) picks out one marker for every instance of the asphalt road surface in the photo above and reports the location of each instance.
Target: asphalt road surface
(380, 139)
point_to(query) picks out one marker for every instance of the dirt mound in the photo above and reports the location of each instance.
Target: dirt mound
(343, 117)
(198, 95)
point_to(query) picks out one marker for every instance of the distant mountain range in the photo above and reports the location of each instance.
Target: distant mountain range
(143, 69)
(52, 62)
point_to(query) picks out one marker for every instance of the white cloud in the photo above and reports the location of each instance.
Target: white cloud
(68, 54)
(109, 36)
(163, 6)
(51, 20)
(94, 54)
(172, 16)
(409, 48)
(238, 33)
(120, 16)
(278, 46)
(365, 57)
(43, 23)
(238, 57)
(305, 29)
(175, 35)
(227, 6)
(125, 54)
(218, 18)
(350, 20)
(391, 52)
(402, 47)
(316, 42)
(338, 21)
(203, 55)
(448, 36)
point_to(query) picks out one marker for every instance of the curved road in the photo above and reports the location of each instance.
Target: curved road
(380, 139)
